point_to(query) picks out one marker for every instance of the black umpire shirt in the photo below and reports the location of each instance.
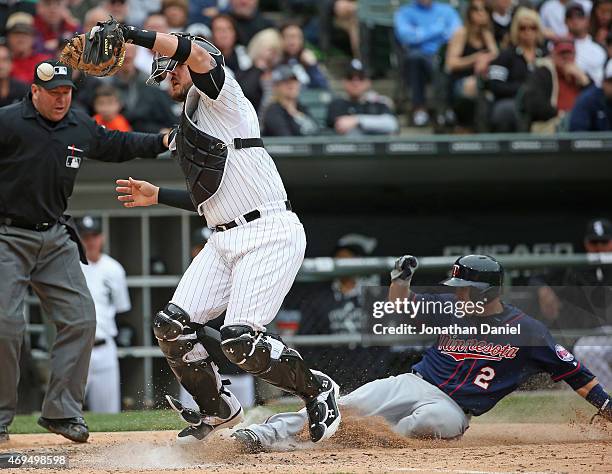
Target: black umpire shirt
(39, 159)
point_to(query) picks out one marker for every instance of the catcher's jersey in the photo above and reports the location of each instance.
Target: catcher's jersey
(478, 371)
(250, 179)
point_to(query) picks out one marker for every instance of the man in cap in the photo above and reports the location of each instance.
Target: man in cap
(363, 111)
(592, 111)
(465, 373)
(108, 287)
(42, 146)
(578, 298)
(21, 38)
(590, 56)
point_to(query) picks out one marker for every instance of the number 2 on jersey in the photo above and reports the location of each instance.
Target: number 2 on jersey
(485, 375)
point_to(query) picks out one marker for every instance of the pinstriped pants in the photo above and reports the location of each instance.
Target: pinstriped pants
(246, 271)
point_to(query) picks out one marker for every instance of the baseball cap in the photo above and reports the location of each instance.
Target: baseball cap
(51, 74)
(355, 69)
(574, 9)
(89, 225)
(360, 245)
(20, 22)
(283, 72)
(561, 45)
(599, 229)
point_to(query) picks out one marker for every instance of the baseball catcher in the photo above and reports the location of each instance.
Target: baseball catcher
(458, 377)
(257, 245)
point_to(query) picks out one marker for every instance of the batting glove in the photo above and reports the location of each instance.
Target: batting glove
(404, 269)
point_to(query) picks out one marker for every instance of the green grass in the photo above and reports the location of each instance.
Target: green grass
(525, 407)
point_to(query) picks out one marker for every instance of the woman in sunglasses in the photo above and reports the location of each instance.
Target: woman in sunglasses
(509, 71)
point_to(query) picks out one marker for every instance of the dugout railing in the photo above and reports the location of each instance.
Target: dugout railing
(143, 357)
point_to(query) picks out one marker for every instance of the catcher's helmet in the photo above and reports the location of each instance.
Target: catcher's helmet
(482, 273)
(162, 65)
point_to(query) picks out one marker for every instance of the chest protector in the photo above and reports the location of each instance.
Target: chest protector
(201, 156)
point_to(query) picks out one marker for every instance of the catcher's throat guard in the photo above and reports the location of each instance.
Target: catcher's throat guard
(162, 65)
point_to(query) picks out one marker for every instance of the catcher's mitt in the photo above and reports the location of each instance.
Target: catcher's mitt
(99, 52)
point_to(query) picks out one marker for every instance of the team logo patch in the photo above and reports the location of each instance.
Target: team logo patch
(74, 158)
(563, 353)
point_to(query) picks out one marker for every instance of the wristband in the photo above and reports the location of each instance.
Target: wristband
(142, 38)
(598, 397)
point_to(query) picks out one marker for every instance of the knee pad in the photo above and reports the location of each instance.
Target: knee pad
(246, 348)
(170, 323)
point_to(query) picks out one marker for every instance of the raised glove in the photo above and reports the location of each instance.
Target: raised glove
(404, 269)
(98, 53)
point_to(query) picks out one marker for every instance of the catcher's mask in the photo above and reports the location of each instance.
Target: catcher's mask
(162, 65)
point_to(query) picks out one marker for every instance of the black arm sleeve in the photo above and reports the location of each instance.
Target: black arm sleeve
(176, 198)
(115, 146)
(210, 82)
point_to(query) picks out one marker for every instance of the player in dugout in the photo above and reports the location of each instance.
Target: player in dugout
(458, 377)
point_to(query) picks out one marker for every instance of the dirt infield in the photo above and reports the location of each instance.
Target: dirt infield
(360, 446)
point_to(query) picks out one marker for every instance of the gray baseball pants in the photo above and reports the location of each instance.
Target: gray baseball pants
(49, 262)
(413, 408)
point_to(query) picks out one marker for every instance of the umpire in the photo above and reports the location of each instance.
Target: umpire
(42, 146)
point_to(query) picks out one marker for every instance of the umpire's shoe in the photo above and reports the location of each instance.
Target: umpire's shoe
(4, 435)
(323, 414)
(202, 425)
(75, 429)
(248, 441)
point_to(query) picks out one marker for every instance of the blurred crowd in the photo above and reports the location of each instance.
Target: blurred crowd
(481, 66)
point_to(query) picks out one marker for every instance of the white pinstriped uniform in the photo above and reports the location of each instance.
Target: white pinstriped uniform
(249, 269)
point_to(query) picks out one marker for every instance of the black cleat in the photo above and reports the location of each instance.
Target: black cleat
(4, 434)
(323, 413)
(201, 425)
(75, 429)
(248, 441)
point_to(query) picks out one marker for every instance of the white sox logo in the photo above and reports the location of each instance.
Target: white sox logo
(461, 349)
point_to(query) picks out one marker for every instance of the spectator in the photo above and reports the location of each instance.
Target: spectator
(93, 16)
(11, 90)
(224, 37)
(144, 56)
(590, 56)
(601, 20)
(107, 107)
(553, 14)
(147, 109)
(509, 71)
(118, 9)
(249, 20)
(21, 35)
(550, 92)
(593, 109)
(302, 59)
(176, 13)
(54, 24)
(139, 10)
(345, 16)
(501, 17)
(363, 112)
(422, 28)
(203, 11)
(468, 55)
(285, 116)
(265, 50)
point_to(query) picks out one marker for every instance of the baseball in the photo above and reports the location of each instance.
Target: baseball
(45, 72)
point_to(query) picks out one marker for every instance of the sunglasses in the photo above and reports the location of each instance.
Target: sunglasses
(528, 28)
(478, 9)
(599, 241)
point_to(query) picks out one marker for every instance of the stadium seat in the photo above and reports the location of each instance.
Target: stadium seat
(317, 102)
